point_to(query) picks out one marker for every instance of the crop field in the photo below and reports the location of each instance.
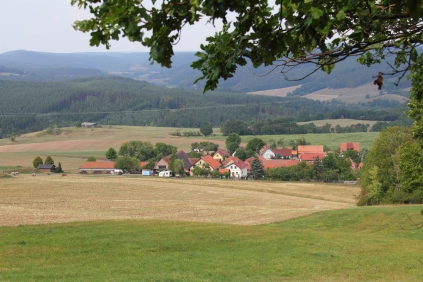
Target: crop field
(52, 198)
(341, 122)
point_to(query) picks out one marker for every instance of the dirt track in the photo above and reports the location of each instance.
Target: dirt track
(53, 199)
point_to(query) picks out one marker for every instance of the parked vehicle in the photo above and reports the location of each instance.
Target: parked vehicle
(165, 173)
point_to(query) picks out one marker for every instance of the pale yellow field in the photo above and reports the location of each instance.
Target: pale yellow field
(340, 122)
(42, 199)
(280, 92)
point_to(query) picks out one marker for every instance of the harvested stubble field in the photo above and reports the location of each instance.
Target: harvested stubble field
(53, 199)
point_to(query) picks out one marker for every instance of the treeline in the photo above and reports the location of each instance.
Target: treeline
(284, 126)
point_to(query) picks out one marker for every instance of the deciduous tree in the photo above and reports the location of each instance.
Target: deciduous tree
(111, 154)
(232, 142)
(48, 160)
(127, 163)
(37, 161)
(206, 129)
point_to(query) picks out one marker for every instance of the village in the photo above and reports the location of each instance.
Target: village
(221, 162)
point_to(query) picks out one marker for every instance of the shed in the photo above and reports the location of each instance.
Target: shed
(46, 167)
(89, 124)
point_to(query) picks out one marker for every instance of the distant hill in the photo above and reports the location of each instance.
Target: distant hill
(34, 105)
(39, 66)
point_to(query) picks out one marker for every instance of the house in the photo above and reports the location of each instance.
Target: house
(181, 155)
(163, 164)
(309, 153)
(283, 153)
(229, 160)
(238, 168)
(206, 162)
(46, 167)
(89, 124)
(221, 154)
(344, 146)
(267, 153)
(97, 167)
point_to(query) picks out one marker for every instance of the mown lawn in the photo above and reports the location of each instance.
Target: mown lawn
(364, 244)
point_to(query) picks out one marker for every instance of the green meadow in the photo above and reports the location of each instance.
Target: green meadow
(365, 244)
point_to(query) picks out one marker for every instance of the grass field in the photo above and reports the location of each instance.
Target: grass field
(74, 145)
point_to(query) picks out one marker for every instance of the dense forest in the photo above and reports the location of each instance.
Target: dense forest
(30, 106)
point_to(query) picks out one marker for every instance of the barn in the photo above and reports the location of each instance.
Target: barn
(46, 167)
(97, 167)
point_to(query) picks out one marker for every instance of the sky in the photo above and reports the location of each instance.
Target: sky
(46, 26)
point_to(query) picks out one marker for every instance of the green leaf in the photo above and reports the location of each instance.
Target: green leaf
(316, 13)
(341, 15)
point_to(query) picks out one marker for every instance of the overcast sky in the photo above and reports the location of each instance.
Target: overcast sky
(46, 26)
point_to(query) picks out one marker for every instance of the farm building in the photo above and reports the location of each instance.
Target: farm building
(89, 124)
(97, 167)
(46, 167)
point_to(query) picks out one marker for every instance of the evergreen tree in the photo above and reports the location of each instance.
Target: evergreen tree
(257, 170)
(58, 168)
(37, 161)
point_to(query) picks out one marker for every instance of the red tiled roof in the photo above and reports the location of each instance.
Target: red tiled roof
(211, 162)
(223, 170)
(311, 156)
(229, 160)
(223, 153)
(343, 146)
(142, 164)
(278, 163)
(98, 165)
(194, 160)
(283, 152)
(239, 163)
(310, 149)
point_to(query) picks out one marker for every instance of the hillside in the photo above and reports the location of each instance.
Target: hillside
(31, 106)
(38, 66)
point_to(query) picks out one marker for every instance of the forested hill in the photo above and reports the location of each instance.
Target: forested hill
(31, 106)
(38, 66)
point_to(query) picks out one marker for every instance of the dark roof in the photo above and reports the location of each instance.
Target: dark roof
(46, 166)
(185, 158)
